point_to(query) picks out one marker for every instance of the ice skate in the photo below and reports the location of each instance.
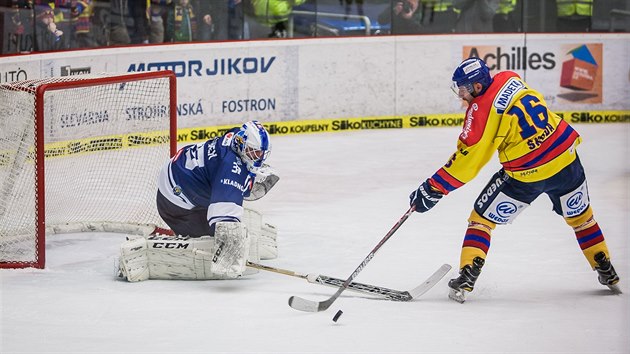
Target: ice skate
(465, 283)
(606, 272)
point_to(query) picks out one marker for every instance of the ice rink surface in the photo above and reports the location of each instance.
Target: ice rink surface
(338, 196)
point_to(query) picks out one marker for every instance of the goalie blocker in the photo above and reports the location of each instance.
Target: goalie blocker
(223, 256)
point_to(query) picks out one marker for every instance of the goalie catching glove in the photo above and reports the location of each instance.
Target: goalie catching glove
(266, 178)
(425, 197)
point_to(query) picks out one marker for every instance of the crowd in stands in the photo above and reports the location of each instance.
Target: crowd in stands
(45, 25)
(485, 16)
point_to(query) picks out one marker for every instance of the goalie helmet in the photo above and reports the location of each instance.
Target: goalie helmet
(470, 71)
(251, 143)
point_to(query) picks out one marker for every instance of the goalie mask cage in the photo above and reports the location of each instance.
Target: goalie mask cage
(81, 153)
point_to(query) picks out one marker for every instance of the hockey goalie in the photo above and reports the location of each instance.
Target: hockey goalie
(200, 197)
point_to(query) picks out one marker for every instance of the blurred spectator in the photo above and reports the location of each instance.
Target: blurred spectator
(82, 20)
(100, 22)
(63, 20)
(574, 15)
(212, 16)
(119, 12)
(47, 36)
(181, 23)
(403, 17)
(138, 18)
(507, 18)
(438, 16)
(158, 9)
(475, 16)
(236, 26)
(18, 27)
(348, 7)
(226, 20)
(271, 17)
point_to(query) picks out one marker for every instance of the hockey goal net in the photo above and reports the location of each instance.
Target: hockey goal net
(81, 153)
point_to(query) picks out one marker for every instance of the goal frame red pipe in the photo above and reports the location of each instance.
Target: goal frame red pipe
(40, 211)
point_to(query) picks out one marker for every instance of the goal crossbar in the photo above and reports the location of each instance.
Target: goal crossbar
(127, 108)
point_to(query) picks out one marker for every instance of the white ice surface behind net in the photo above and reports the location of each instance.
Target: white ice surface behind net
(339, 194)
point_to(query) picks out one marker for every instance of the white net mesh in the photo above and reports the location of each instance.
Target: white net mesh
(103, 144)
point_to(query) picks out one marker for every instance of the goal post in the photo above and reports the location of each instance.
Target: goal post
(81, 153)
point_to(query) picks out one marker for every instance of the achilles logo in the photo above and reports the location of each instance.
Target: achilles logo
(505, 209)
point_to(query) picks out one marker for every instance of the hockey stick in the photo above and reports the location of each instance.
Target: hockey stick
(386, 293)
(301, 304)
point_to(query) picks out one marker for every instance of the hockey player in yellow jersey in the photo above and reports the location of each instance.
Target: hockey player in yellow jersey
(537, 150)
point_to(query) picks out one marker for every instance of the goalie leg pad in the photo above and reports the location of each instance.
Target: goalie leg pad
(134, 262)
(268, 244)
(166, 257)
(174, 257)
(252, 220)
(231, 249)
(263, 235)
(203, 265)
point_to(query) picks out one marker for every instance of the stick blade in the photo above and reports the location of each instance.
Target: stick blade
(301, 304)
(430, 282)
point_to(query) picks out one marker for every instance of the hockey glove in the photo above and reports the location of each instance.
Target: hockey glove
(266, 178)
(425, 197)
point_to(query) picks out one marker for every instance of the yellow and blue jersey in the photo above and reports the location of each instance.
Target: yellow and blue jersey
(532, 142)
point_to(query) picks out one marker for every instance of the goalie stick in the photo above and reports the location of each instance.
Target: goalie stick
(386, 293)
(301, 304)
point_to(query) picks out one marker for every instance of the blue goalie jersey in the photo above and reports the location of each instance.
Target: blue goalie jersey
(208, 175)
